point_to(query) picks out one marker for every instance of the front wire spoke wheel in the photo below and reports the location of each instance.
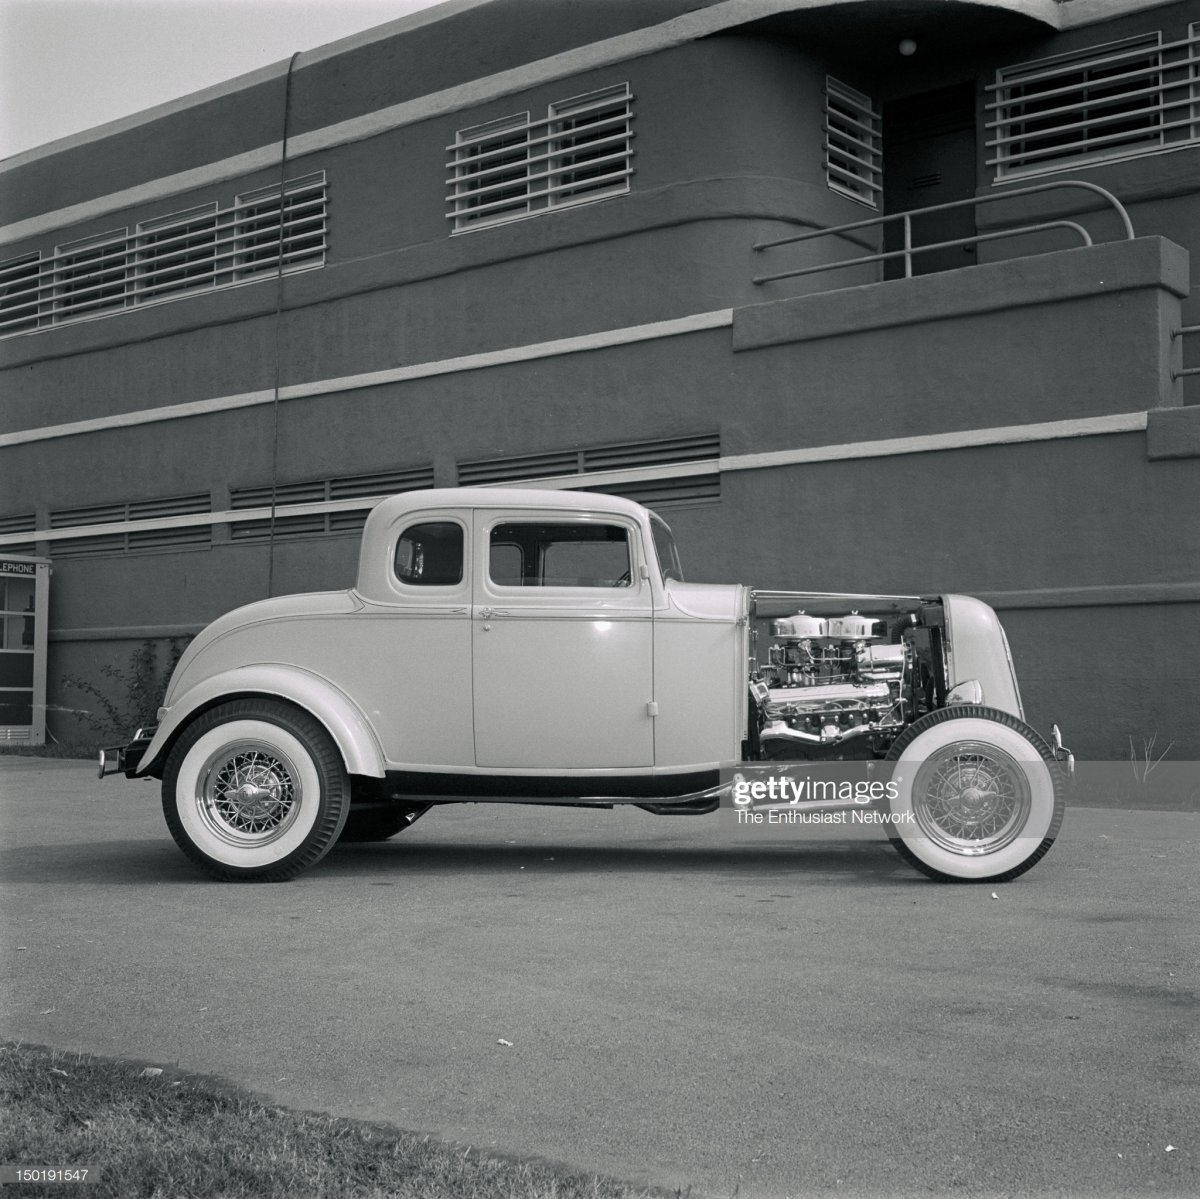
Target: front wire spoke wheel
(971, 798)
(976, 795)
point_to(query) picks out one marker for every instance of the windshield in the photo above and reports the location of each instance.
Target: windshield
(664, 547)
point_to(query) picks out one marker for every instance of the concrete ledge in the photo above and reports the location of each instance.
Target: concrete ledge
(1173, 433)
(1146, 262)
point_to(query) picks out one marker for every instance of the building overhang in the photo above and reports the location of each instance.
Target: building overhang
(667, 23)
(871, 30)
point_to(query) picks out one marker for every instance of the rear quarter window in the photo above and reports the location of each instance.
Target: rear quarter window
(430, 554)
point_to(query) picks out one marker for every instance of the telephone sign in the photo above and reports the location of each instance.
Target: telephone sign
(24, 589)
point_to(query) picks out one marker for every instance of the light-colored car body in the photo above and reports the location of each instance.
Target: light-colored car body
(540, 646)
(478, 677)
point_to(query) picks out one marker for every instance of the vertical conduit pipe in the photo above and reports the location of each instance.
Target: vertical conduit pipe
(287, 116)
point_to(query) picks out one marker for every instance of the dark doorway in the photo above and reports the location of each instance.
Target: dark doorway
(929, 158)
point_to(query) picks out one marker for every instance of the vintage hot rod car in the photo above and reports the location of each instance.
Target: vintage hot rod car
(538, 646)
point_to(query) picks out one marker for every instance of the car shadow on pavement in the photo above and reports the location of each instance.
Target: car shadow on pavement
(91, 862)
(139, 862)
(865, 862)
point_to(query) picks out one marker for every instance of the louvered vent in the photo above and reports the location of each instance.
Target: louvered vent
(525, 466)
(629, 455)
(18, 524)
(653, 453)
(666, 493)
(319, 491)
(418, 478)
(133, 538)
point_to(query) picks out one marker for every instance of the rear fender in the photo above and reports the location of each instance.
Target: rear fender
(346, 724)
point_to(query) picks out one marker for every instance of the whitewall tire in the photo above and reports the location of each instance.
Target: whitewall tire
(978, 795)
(255, 789)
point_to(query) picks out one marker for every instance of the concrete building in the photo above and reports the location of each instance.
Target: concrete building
(528, 240)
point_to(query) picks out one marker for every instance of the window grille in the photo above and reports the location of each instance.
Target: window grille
(19, 280)
(853, 144)
(168, 257)
(133, 538)
(90, 276)
(319, 491)
(252, 227)
(175, 254)
(1131, 97)
(514, 167)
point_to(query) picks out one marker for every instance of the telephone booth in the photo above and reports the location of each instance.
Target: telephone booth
(24, 592)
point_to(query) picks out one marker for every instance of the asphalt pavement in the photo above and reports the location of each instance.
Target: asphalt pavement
(789, 1015)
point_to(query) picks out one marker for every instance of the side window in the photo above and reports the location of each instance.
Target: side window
(506, 564)
(430, 554)
(560, 555)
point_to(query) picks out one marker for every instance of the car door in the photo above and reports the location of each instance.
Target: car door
(562, 643)
(406, 656)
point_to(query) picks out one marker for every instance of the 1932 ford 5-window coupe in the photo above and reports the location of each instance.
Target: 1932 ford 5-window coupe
(542, 647)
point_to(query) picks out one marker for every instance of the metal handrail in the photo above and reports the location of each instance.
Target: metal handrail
(1187, 370)
(907, 217)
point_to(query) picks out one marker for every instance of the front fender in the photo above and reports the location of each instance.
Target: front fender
(978, 649)
(343, 720)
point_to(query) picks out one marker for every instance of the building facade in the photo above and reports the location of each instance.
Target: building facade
(588, 246)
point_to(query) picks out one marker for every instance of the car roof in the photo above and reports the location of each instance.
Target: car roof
(501, 497)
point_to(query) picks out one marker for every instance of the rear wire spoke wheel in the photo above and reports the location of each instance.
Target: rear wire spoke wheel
(255, 790)
(978, 795)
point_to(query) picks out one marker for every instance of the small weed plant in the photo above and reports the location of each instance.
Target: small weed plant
(135, 691)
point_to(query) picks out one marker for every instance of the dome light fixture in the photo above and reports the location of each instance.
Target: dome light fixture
(907, 47)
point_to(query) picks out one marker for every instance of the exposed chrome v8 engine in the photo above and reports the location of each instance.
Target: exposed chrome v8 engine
(829, 680)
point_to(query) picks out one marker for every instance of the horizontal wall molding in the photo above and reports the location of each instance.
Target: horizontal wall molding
(1093, 597)
(652, 39)
(697, 322)
(1126, 422)
(1053, 430)
(132, 632)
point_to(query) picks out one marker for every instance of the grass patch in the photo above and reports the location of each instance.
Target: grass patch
(176, 1135)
